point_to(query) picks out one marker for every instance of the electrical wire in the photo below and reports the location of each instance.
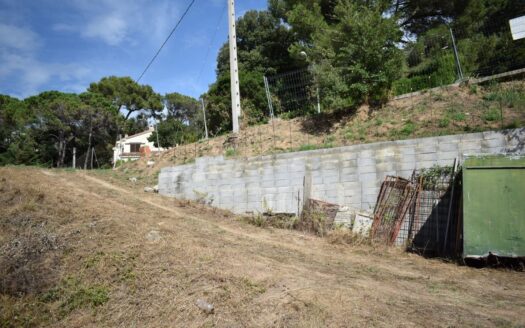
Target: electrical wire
(211, 43)
(165, 41)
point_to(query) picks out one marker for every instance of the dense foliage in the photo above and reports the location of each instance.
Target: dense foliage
(358, 51)
(45, 129)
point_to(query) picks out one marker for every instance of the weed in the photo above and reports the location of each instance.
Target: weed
(408, 128)
(93, 260)
(349, 134)
(307, 147)
(253, 286)
(491, 115)
(458, 116)
(345, 236)
(73, 295)
(473, 89)
(230, 152)
(268, 219)
(513, 125)
(444, 122)
(378, 122)
(438, 97)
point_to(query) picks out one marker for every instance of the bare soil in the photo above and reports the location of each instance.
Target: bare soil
(110, 256)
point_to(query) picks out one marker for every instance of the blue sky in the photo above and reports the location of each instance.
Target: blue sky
(66, 44)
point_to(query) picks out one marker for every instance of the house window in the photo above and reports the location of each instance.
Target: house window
(134, 147)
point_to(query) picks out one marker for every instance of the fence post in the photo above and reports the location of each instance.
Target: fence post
(268, 96)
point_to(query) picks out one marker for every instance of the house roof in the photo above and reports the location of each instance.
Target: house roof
(149, 130)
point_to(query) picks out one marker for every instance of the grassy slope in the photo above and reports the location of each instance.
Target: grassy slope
(77, 251)
(448, 111)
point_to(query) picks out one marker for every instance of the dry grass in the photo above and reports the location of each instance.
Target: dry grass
(448, 111)
(126, 259)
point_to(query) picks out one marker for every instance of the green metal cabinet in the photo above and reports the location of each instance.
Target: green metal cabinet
(494, 206)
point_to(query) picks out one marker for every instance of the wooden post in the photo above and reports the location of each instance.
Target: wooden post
(92, 158)
(74, 157)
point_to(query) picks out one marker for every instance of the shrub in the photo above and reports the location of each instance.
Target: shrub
(230, 152)
(491, 115)
(408, 128)
(444, 122)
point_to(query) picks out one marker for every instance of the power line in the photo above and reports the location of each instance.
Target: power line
(211, 43)
(165, 41)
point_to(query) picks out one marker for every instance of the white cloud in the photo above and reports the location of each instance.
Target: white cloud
(30, 74)
(21, 68)
(112, 29)
(62, 27)
(14, 37)
(118, 21)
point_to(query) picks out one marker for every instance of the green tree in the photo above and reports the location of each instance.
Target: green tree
(262, 48)
(353, 46)
(17, 145)
(173, 132)
(126, 94)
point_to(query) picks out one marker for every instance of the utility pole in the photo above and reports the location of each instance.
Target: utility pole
(234, 71)
(204, 114)
(456, 56)
(157, 134)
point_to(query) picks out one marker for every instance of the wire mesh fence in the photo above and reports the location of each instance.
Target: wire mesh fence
(422, 213)
(456, 53)
(294, 92)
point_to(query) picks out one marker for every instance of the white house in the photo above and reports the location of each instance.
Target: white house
(135, 146)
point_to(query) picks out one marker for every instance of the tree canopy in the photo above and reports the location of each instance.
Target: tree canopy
(356, 51)
(126, 94)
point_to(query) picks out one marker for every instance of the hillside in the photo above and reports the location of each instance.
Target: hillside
(79, 251)
(450, 110)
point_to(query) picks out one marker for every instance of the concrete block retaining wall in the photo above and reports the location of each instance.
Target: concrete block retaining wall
(349, 176)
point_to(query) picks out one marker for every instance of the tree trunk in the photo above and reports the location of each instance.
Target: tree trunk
(61, 149)
(89, 146)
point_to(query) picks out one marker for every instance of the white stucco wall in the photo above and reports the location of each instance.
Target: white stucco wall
(124, 145)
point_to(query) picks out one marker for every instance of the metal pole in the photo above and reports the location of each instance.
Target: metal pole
(234, 73)
(456, 56)
(74, 157)
(268, 96)
(453, 181)
(318, 102)
(157, 134)
(204, 114)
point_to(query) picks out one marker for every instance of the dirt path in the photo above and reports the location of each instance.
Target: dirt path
(178, 253)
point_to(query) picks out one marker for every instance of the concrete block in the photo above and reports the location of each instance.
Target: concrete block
(351, 163)
(317, 180)
(331, 179)
(282, 183)
(426, 157)
(388, 166)
(366, 161)
(470, 137)
(493, 143)
(348, 156)
(450, 155)
(268, 183)
(367, 177)
(407, 150)
(487, 135)
(366, 169)
(426, 147)
(349, 177)
(448, 147)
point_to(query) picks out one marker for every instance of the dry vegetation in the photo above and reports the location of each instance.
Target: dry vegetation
(450, 110)
(78, 251)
